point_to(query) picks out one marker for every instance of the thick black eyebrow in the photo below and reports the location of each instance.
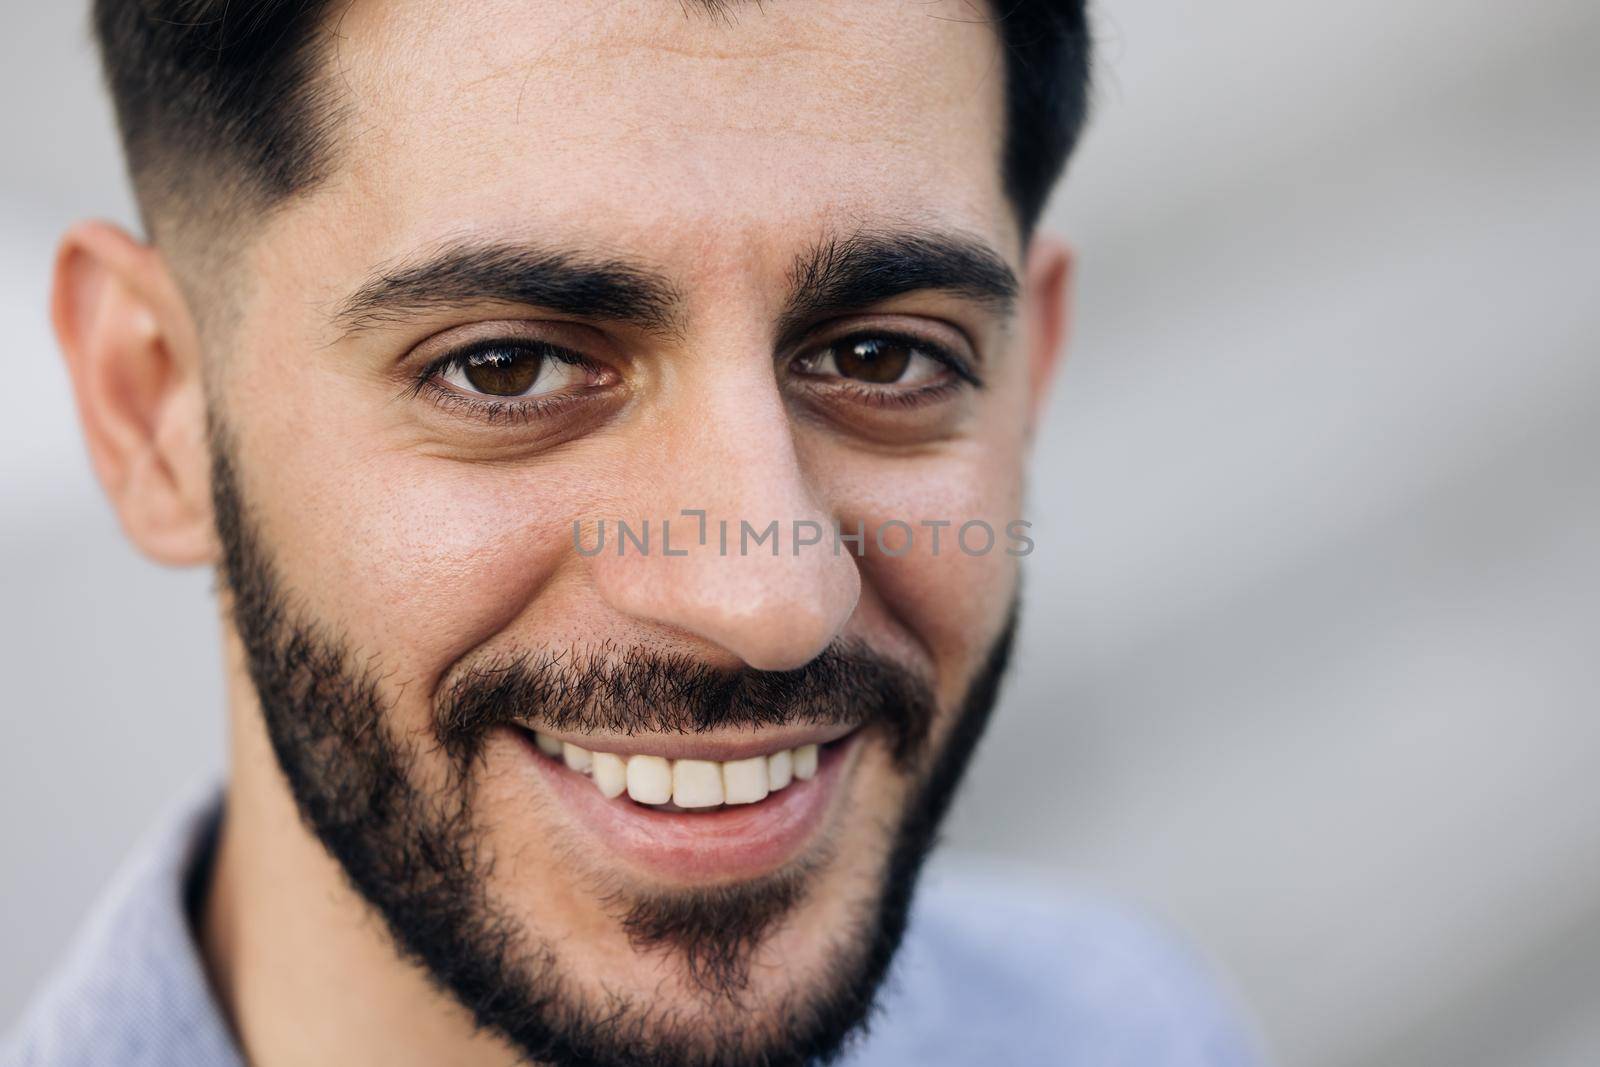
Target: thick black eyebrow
(466, 273)
(847, 274)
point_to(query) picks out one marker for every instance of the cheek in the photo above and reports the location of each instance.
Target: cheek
(418, 559)
(427, 563)
(441, 557)
(953, 595)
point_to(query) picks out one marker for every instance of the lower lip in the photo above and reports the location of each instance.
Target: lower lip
(737, 841)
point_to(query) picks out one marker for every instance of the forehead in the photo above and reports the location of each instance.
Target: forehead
(652, 125)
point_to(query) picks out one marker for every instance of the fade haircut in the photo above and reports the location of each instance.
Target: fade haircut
(225, 109)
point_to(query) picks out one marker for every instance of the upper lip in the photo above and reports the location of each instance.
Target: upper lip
(720, 745)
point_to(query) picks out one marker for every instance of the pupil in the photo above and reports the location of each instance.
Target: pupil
(502, 373)
(873, 360)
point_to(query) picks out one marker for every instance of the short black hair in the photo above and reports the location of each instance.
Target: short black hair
(223, 108)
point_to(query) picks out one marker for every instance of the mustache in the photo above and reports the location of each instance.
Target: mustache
(847, 684)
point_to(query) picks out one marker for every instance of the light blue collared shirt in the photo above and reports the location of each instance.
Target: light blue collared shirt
(987, 975)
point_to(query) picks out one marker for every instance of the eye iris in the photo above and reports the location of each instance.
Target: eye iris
(873, 360)
(502, 373)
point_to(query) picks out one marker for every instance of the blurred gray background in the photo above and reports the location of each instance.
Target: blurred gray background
(1309, 664)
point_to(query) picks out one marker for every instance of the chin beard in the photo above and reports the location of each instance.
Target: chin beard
(414, 853)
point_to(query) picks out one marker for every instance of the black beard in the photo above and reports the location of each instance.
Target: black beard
(413, 854)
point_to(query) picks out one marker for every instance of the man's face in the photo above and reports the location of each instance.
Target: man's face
(584, 263)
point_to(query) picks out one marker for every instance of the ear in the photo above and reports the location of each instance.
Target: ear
(133, 354)
(1047, 313)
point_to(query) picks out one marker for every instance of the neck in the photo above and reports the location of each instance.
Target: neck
(304, 969)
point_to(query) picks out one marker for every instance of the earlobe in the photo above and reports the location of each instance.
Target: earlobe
(133, 356)
(1048, 311)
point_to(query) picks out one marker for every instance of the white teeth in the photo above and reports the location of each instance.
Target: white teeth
(696, 783)
(744, 781)
(780, 769)
(687, 783)
(805, 762)
(610, 774)
(649, 779)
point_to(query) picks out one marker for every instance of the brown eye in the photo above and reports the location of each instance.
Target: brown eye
(873, 359)
(502, 372)
(880, 361)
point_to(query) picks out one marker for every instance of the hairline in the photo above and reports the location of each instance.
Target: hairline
(209, 241)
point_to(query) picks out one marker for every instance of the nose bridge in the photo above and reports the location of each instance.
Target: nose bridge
(739, 550)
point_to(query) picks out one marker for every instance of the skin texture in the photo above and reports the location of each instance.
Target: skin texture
(713, 152)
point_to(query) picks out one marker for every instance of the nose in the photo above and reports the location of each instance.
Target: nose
(736, 549)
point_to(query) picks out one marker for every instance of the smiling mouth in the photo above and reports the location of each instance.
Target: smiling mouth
(695, 809)
(688, 784)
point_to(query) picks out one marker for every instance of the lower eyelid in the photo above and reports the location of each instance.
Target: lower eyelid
(956, 372)
(490, 407)
(507, 409)
(889, 397)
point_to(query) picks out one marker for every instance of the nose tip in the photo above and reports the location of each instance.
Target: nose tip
(750, 565)
(774, 610)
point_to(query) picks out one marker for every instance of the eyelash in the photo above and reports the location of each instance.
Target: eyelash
(510, 409)
(904, 399)
(529, 409)
(961, 373)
